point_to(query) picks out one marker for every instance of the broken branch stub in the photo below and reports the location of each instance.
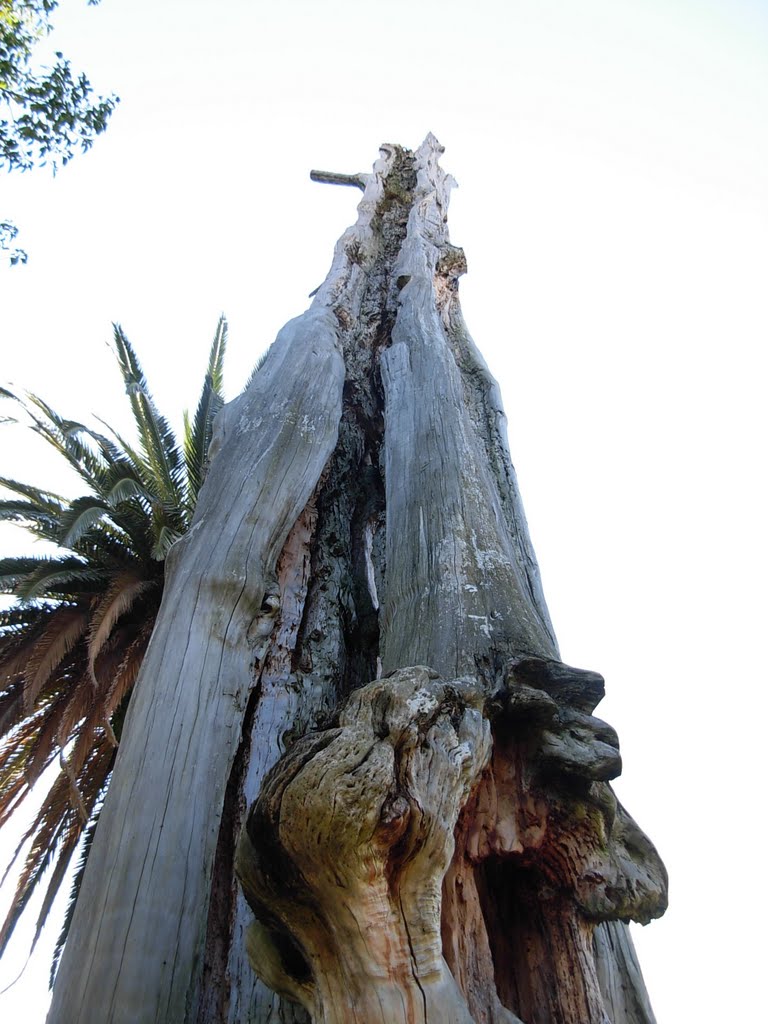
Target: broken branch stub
(334, 178)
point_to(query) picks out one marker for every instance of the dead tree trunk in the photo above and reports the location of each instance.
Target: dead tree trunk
(429, 844)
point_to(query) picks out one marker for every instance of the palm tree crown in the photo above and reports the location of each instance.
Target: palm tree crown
(72, 643)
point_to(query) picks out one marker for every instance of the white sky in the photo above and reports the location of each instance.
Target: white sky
(612, 160)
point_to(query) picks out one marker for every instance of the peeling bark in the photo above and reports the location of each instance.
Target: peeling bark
(423, 844)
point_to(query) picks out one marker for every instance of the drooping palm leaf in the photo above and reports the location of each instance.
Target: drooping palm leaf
(55, 833)
(65, 627)
(121, 594)
(77, 881)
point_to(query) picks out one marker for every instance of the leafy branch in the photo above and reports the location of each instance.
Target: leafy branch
(50, 113)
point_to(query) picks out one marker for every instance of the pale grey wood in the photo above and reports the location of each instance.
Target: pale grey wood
(462, 578)
(618, 971)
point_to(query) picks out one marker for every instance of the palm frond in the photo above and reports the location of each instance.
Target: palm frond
(77, 880)
(122, 593)
(215, 369)
(65, 627)
(46, 500)
(156, 436)
(55, 833)
(122, 453)
(35, 740)
(123, 489)
(81, 516)
(11, 708)
(67, 720)
(35, 509)
(63, 435)
(93, 781)
(42, 852)
(118, 459)
(67, 848)
(67, 576)
(198, 432)
(14, 780)
(127, 671)
(36, 521)
(20, 627)
(165, 538)
(15, 569)
(256, 367)
(124, 538)
(49, 730)
(19, 618)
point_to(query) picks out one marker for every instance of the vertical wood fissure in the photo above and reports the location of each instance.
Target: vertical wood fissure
(334, 646)
(214, 984)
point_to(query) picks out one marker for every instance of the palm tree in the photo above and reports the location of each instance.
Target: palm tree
(72, 643)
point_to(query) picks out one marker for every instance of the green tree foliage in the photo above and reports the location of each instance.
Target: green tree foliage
(48, 113)
(72, 643)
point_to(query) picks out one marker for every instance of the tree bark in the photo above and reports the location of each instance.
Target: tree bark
(354, 636)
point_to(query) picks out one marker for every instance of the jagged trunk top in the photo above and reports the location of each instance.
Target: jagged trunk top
(460, 579)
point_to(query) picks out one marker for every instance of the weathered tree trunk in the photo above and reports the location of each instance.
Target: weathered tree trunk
(429, 844)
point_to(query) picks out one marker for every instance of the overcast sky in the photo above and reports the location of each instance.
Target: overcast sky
(611, 158)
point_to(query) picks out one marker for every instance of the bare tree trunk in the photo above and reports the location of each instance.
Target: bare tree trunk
(432, 843)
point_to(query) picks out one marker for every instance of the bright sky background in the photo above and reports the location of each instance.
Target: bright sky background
(612, 159)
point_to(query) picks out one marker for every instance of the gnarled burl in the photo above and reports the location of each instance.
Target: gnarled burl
(448, 847)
